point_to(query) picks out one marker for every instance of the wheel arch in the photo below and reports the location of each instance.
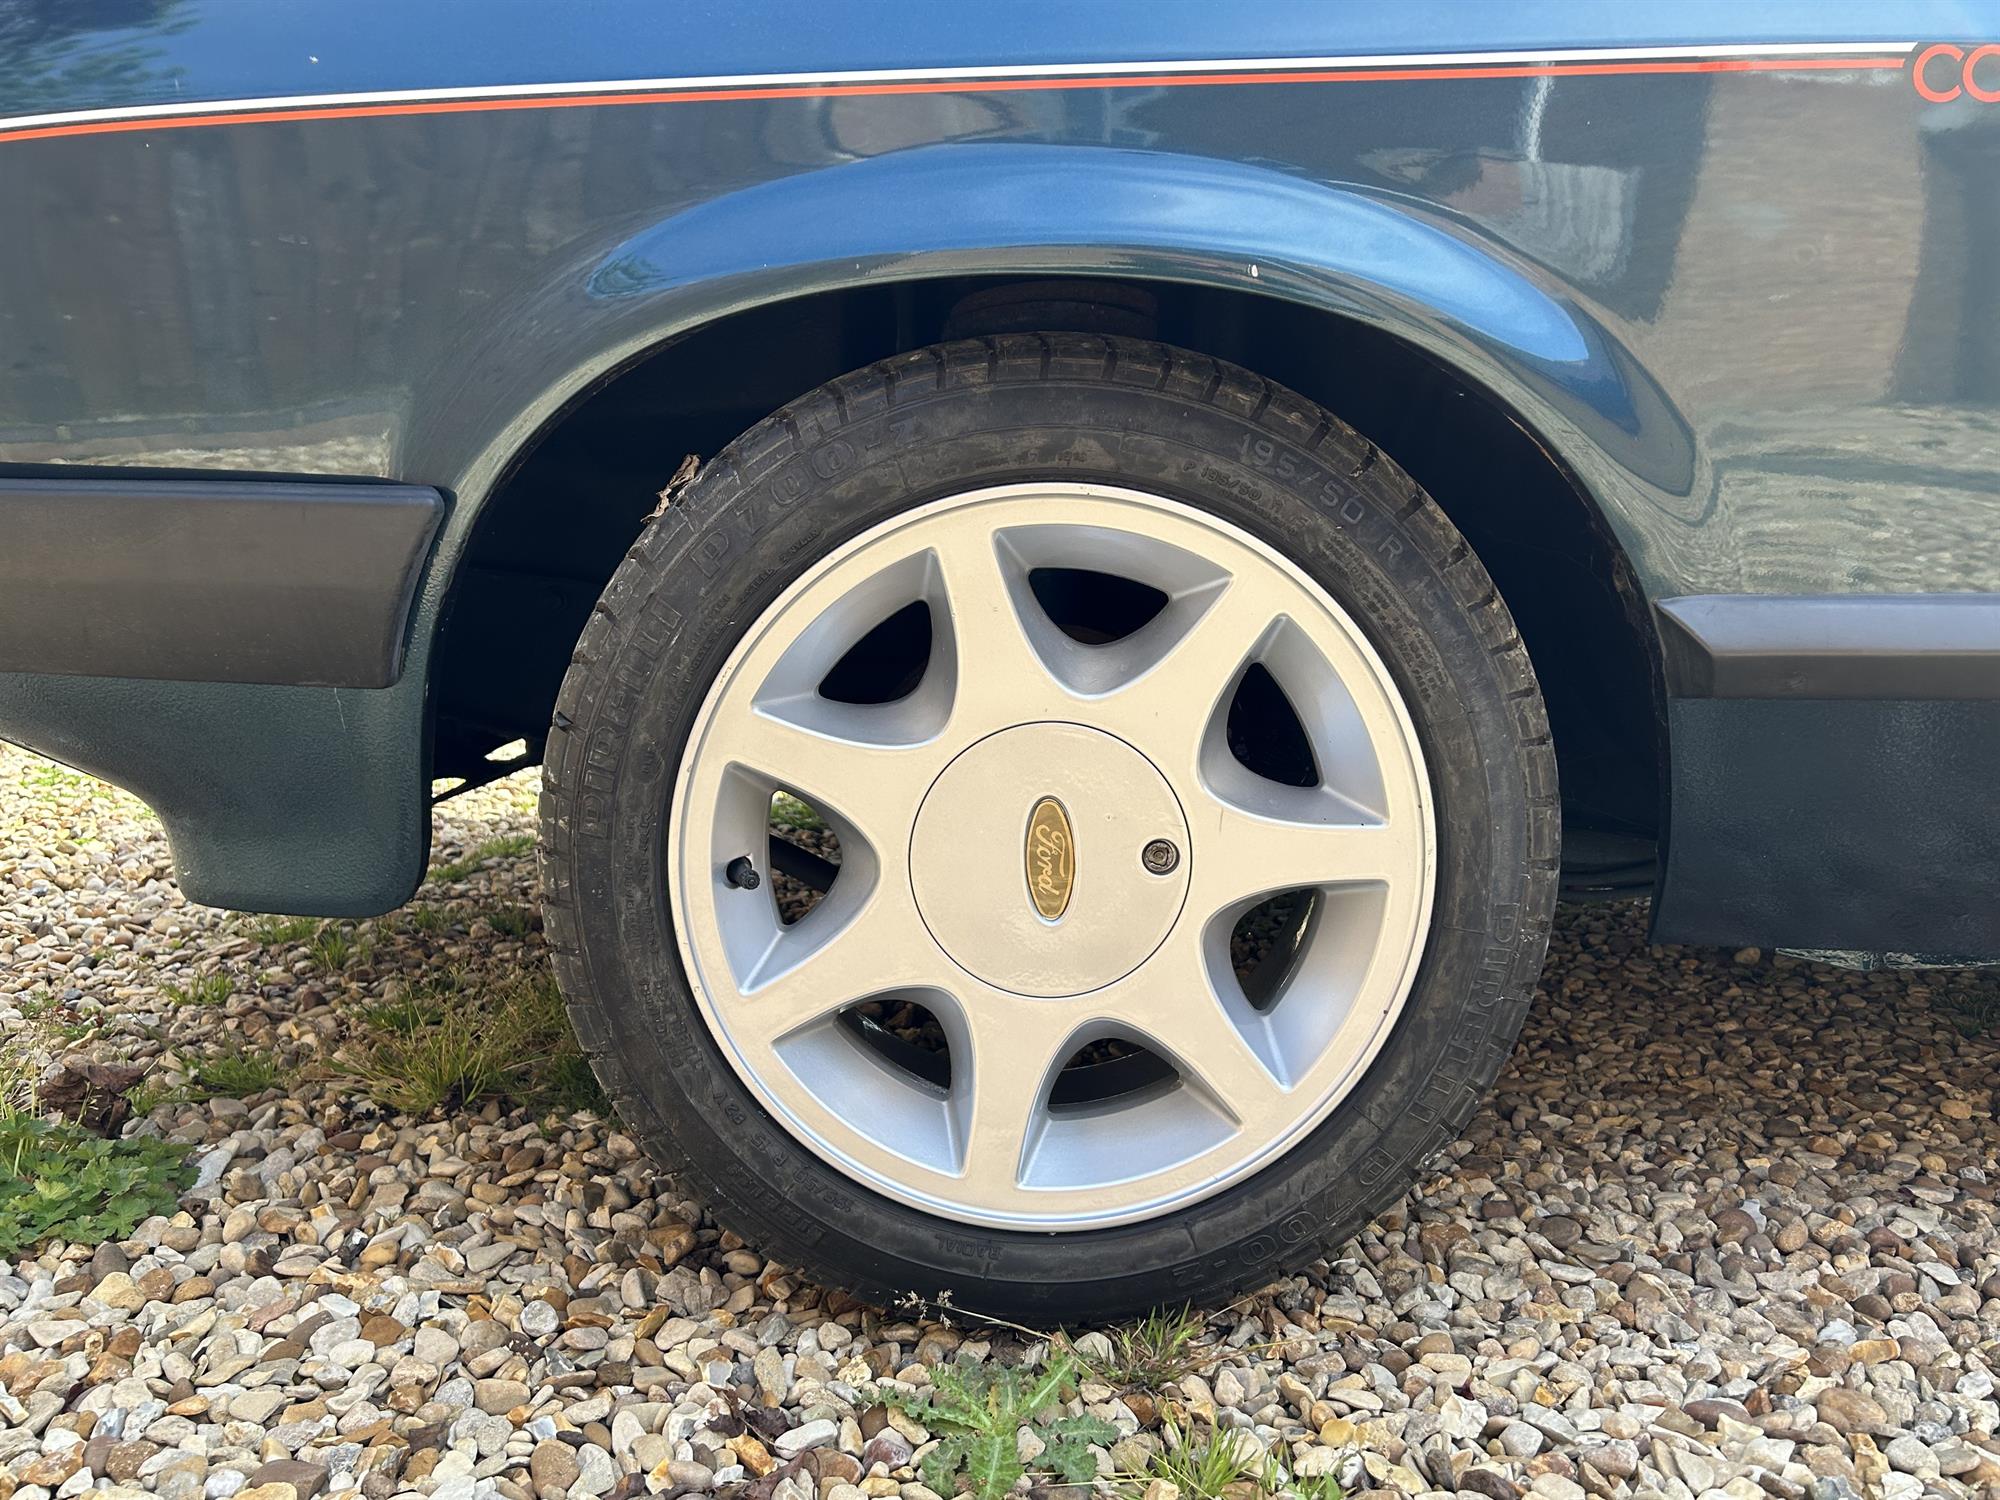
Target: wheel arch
(696, 326)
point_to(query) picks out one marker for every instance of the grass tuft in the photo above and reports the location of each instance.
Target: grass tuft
(1974, 1013)
(787, 811)
(512, 846)
(1230, 1465)
(20, 1070)
(332, 946)
(209, 989)
(1152, 1352)
(237, 1075)
(569, 1085)
(1202, 1471)
(513, 921)
(451, 1045)
(403, 1017)
(284, 932)
(149, 1094)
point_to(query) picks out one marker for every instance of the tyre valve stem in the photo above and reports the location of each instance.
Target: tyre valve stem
(740, 873)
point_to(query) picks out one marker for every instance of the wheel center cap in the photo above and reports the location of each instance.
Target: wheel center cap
(1029, 859)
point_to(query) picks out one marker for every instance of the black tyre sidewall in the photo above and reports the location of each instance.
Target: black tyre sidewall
(995, 412)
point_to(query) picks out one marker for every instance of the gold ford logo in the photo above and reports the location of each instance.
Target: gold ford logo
(1051, 858)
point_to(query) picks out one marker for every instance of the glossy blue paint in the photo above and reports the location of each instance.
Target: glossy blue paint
(1230, 221)
(122, 52)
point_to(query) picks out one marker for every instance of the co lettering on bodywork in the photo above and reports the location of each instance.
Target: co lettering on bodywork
(1944, 70)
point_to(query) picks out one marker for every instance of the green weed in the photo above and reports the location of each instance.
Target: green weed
(569, 1085)
(975, 1412)
(332, 946)
(789, 812)
(20, 1069)
(148, 1095)
(1150, 1353)
(54, 778)
(403, 1017)
(60, 1180)
(1201, 1471)
(283, 932)
(1228, 1462)
(513, 921)
(237, 1075)
(1972, 1006)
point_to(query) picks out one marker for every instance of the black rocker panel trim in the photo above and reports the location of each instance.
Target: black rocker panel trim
(1829, 823)
(1833, 773)
(1880, 646)
(211, 580)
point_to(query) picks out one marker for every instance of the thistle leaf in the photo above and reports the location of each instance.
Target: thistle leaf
(993, 1463)
(1082, 1430)
(942, 1463)
(1056, 1377)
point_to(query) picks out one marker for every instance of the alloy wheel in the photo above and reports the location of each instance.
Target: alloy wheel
(1136, 851)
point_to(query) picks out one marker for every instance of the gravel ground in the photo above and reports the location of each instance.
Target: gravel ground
(1726, 1228)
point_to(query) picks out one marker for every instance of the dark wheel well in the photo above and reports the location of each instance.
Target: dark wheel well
(548, 541)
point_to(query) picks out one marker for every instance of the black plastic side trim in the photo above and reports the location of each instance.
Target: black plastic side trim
(1835, 823)
(1877, 646)
(211, 580)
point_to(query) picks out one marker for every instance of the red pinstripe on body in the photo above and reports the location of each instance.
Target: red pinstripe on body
(583, 100)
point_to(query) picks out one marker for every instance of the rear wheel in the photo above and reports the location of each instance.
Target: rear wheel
(1165, 829)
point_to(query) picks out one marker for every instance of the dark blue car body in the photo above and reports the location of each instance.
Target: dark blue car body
(301, 305)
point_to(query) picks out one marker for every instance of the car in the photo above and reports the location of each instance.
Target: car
(1082, 578)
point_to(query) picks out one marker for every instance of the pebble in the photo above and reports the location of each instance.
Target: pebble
(595, 1471)
(497, 1396)
(553, 1466)
(1519, 1440)
(306, 1479)
(1849, 1411)
(806, 1435)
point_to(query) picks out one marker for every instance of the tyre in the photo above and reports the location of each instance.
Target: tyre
(1178, 844)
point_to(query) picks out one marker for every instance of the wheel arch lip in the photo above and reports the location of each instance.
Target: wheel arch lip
(978, 208)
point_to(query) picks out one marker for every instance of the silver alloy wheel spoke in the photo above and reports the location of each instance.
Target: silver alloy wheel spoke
(1014, 1053)
(860, 781)
(1001, 678)
(1106, 1063)
(1246, 855)
(1206, 1032)
(807, 974)
(1171, 707)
